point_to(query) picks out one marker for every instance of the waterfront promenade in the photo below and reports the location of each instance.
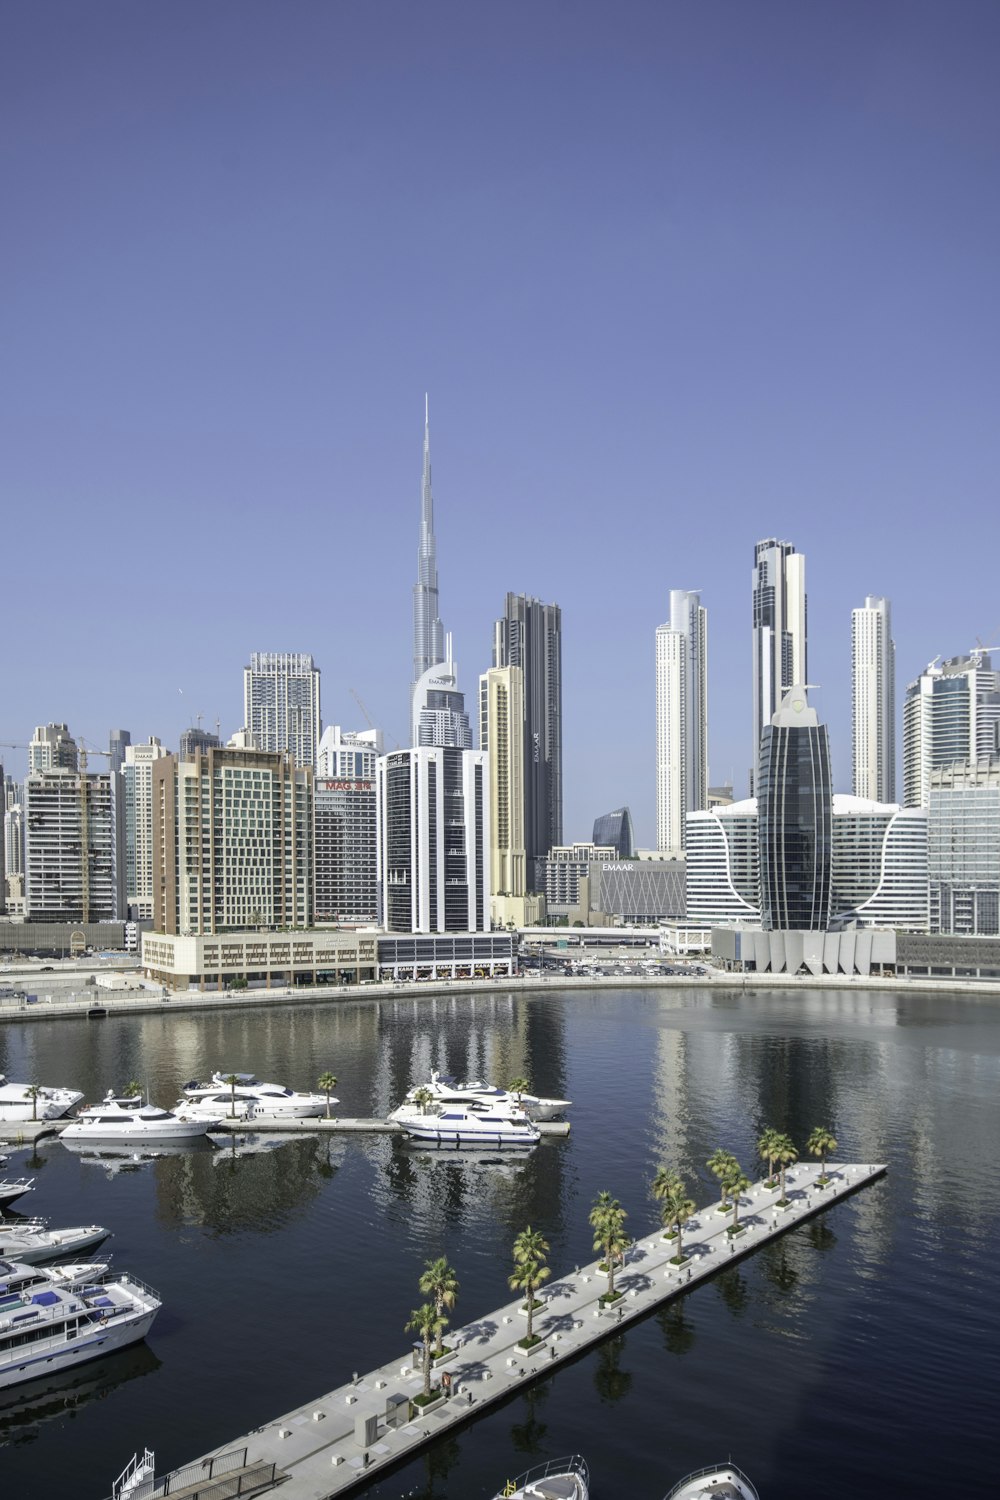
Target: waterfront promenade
(364, 1426)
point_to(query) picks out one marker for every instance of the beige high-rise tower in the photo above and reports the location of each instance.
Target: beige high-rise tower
(501, 734)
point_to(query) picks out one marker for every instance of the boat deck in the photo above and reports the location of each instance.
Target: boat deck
(345, 1437)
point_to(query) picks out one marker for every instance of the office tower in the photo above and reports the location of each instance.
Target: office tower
(779, 631)
(566, 866)
(615, 828)
(434, 840)
(428, 632)
(281, 703)
(196, 739)
(4, 834)
(951, 713)
(345, 856)
(681, 717)
(873, 700)
(879, 864)
(795, 812)
(722, 861)
(529, 636)
(964, 838)
(137, 815)
(70, 847)
(438, 709)
(118, 742)
(502, 736)
(232, 842)
(52, 746)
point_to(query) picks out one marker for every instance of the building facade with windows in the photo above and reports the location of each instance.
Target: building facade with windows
(529, 635)
(779, 615)
(964, 838)
(951, 713)
(137, 814)
(873, 701)
(795, 819)
(232, 842)
(615, 829)
(681, 717)
(71, 868)
(281, 704)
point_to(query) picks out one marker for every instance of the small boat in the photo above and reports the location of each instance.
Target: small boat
(263, 1098)
(32, 1241)
(131, 1122)
(50, 1103)
(54, 1319)
(561, 1479)
(455, 1125)
(10, 1191)
(445, 1090)
(723, 1483)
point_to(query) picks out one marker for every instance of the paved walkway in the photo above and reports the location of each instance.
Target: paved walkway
(345, 1437)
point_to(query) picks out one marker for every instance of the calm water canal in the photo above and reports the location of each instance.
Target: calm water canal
(859, 1356)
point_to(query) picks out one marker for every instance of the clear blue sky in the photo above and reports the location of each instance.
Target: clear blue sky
(676, 276)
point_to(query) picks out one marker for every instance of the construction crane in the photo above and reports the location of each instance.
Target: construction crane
(368, 718)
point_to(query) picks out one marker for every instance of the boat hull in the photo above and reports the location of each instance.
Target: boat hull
(158, 1133)
(430, 1134)
(54, 1247)
(36, 1360)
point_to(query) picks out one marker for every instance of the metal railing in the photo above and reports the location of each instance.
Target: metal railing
(573, 1464)
(720, 1470)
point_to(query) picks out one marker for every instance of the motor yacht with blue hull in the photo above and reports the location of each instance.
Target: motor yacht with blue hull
(31, 1241)
(725, 1482)
(561, 1479)
(457, 1127)
(131, 1122)
(261, 1098)
(54, 1319)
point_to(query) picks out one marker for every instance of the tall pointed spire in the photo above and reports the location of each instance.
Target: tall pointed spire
(428, 632)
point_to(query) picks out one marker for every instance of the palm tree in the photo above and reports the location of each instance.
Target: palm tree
(327, 1082)
(677, 1208)
(531, 1250)
(441, 1284)
(736, 1182)
(423, 1097)
(132, 1090)
(765, 1150)
(785, 1154)
(518, 1086)
(820, 1143)
(607, 1219)
(666, 1178)
(720, 1163)
(424, 1322)
(32, 1092)
(232, 1080)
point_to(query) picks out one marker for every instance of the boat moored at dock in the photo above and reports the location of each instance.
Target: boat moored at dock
(725, 1482)
(131, 1122)
(261, 1098)
(31, 1241)
(457, 1126)
(560, 1479)
(13, 1189)
(444, 1089)
(28, 1101)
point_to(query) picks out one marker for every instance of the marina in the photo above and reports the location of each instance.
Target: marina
(344, 1437)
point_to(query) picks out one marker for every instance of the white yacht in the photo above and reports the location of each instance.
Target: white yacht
(31, 1240)
(456, 1125)
(132, 1122)
(722, 1483)
(446, 1090)
(50, 1104)
(11, 1191)
(54, 1319)
(560, 1479)
(214, 1107)
(265, 1098)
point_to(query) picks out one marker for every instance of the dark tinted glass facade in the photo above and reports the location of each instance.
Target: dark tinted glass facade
(614, 830)
(795, 828)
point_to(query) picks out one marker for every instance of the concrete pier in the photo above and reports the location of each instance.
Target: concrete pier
(26, 1132)
(345, 1437)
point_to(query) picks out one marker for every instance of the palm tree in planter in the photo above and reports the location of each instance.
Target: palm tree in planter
(820, 1144)
(735, 1182)
(423, 1097)
(607, 1219)
(530, 1253)
(676, 1208)
(427, 1325)
(785, 1154)
(327, 1082)
(720, 1164)
(440, 1283)
(132, 1090)
(232, 1080)
(517, 1087)
(664, 1180)
(765, 1150)
(33, 1092)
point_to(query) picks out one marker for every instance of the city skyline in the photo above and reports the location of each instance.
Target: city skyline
(225, 312)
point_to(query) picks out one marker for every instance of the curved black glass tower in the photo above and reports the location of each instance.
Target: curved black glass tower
(795, 819)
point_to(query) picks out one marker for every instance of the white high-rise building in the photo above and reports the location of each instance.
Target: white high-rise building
(348, 755)
(137, 811)
(434, 840)
(346, 826)
(52, 746)
(873, 700)
(779, 632)
(681, 717)
(951, 714)
(281, 703)
(438, 706)
(70, 847)
(964, 814)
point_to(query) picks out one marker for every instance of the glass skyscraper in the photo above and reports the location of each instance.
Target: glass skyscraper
(795, 823)
(529, 636)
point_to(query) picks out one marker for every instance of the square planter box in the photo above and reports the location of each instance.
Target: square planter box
(534, 1348)
(417, 1410)
(538, 1307)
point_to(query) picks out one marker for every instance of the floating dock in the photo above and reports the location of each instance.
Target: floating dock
(26, 1132)
(347, 1436)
